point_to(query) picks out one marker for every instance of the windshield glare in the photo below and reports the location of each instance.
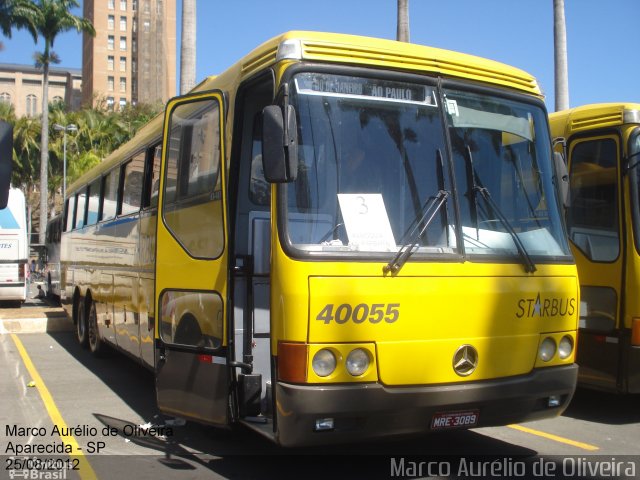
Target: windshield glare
(373, 156)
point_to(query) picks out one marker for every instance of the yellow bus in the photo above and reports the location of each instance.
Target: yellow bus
(602, 142)
(338, 238)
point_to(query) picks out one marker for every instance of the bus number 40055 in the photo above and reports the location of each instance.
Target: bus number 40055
(374, 313)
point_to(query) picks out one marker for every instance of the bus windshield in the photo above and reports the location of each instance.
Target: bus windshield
(373, 157)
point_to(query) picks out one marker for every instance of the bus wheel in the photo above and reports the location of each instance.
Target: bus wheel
(95, 343)
(81, 325)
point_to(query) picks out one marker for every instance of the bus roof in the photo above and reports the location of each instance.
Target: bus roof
(596, 115)
(358, 50)
(338, 49)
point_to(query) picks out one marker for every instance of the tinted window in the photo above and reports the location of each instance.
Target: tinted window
(192, 187)
(133, 177)
(593, 216)
(110, 196)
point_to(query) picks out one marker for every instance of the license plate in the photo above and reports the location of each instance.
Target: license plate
(464, 419)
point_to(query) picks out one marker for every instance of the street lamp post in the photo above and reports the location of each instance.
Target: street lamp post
(64, 128)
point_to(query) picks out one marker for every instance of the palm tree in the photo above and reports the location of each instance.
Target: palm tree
(402, 32)
(54, 17)
(18, 14)
(188, 46)
(560, 56)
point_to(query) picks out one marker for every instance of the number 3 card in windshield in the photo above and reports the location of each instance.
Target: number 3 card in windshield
(366, 221)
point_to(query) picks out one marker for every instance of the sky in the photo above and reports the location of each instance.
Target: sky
(600, 35)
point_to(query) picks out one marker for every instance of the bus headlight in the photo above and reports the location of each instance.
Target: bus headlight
(324, 363)
(565, 347)
(547, 349)
(357, 362)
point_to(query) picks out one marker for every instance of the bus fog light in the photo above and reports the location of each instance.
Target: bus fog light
(324, 363)
(554, 401)
(357, 362)
(565, 348)
(547, 349)
(323, 424)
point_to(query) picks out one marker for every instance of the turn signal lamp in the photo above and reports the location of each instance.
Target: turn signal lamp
(292, 362)
(635, 332)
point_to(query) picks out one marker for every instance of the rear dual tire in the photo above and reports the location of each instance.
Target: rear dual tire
(87, 327)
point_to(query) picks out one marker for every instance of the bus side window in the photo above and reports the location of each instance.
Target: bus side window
(259, 188)
(69, 210)
(152, 176)
(81, 210)
(110, 194)
(94, 202)
(192, 186)
(593, 216)
(132, 186)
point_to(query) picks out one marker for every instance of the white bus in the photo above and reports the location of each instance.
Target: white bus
(14, 249)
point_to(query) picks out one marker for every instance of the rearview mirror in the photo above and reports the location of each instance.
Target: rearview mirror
(279, 144)
(562, 178)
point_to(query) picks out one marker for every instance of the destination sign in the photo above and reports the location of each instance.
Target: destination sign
(343, 86)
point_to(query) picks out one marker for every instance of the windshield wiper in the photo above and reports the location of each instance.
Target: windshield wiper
(429, 209)
(529, 266)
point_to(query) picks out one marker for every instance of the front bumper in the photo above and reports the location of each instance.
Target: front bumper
(372, 411)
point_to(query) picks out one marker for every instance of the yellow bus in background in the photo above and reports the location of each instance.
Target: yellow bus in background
(339, 238)
(602, 142)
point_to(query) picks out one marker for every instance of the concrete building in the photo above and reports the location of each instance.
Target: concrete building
(132, 58)
(21, 86)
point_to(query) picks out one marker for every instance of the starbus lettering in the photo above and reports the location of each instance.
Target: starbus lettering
(545, 307)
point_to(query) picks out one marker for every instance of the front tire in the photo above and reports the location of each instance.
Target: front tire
(81, 325)
(96, 344)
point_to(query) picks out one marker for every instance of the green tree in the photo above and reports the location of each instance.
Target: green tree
(54, 17)
(99, 132)
(18, 14)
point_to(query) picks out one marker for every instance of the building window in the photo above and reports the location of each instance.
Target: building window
(134, 5)
(32, 105)
(123, 64)
(110, 103)
(110, 62)
(110, 82)
(110, 42)
(111, 4)
(123, 24)
(147, 26)
(123, 5)
(111, 21)
(57, 99)
(5, 98)
(123, 84)
(123, 43)
(123, 103)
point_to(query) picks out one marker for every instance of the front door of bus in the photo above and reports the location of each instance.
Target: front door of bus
(595, 226)
(192, 376)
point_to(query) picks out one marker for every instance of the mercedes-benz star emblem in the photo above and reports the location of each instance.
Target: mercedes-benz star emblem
(465, 360)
